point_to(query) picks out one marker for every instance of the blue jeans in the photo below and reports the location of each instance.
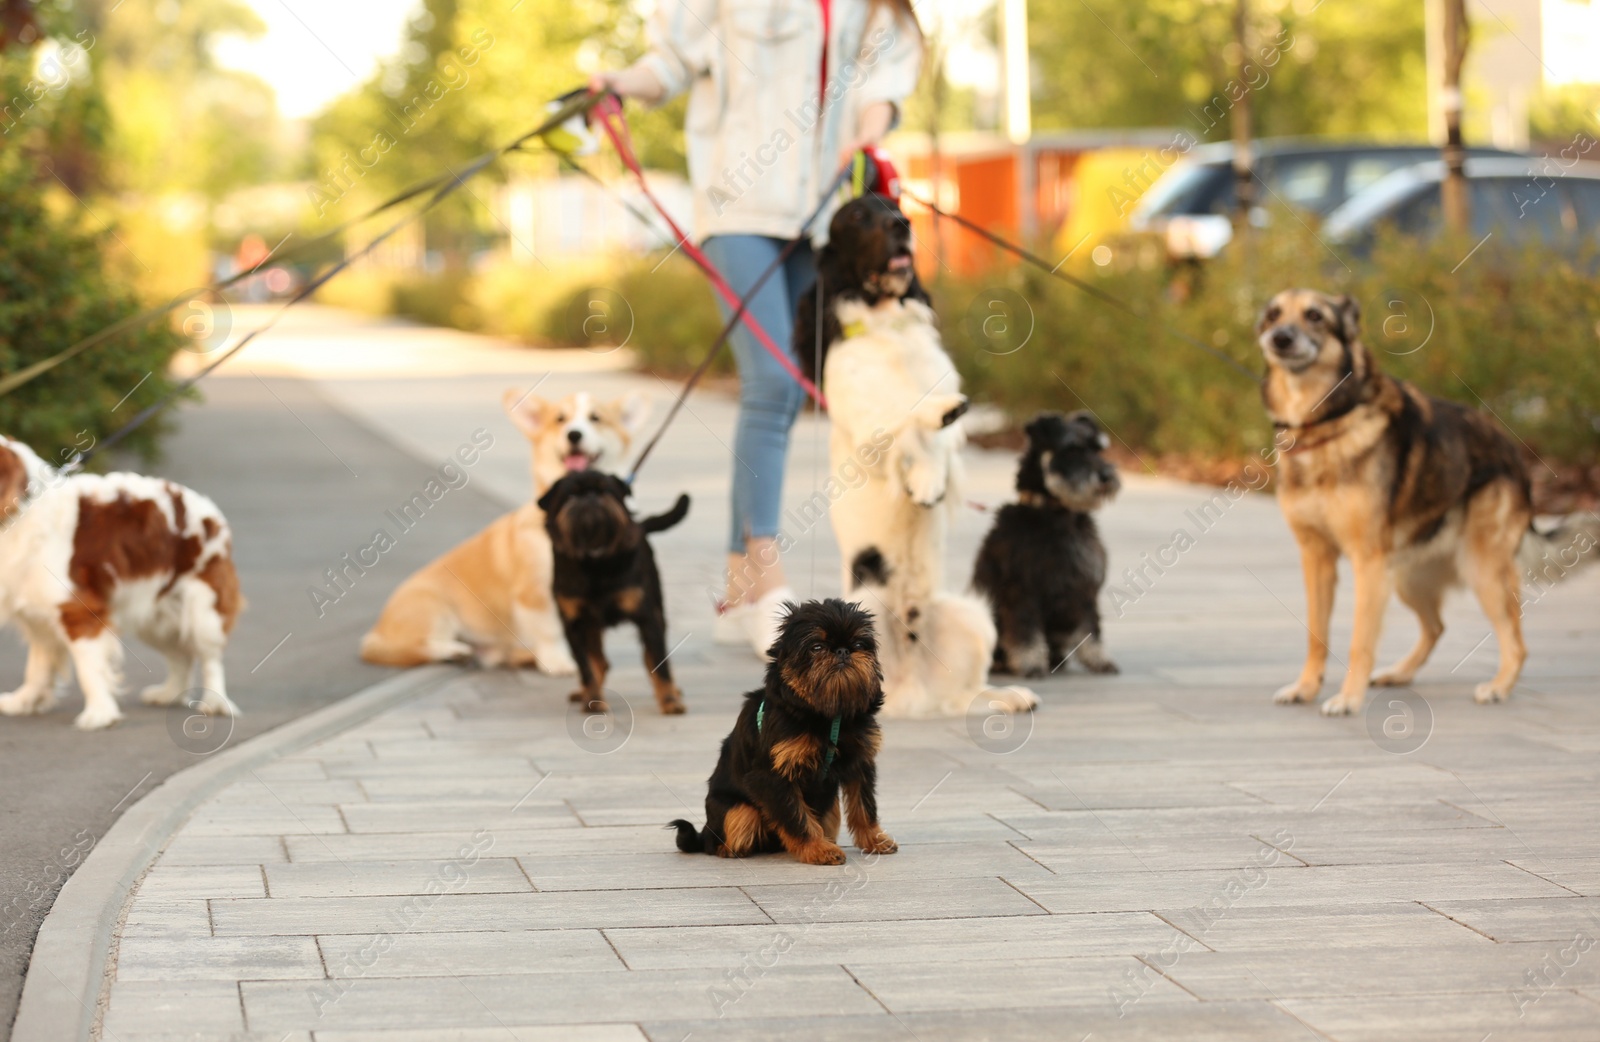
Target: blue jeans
(769, 398)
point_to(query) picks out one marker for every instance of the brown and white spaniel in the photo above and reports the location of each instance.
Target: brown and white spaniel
(87, 558)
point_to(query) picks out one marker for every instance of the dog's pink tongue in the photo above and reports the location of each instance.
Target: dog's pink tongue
(577, 461)
(899, 263)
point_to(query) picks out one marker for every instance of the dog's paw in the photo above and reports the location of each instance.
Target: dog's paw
(1489, 691)
(1105, 667)
(96, 719)
(160, 695)
(22, 703)
(822, 853)
(1012, 699)
(590, 705)
(671, 702)
(1299, 691)
(879, 844)
(555, 664)
(1390, 678)
(1343, 704)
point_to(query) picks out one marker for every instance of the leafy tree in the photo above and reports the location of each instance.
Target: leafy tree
(53, 291)
(1343, 69)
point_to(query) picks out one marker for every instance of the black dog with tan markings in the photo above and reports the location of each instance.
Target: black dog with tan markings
(809, 732)
(1420, 493)
(605, 575)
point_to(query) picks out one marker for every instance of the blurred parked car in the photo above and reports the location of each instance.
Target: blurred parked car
(1523, 200)
(1191, 204)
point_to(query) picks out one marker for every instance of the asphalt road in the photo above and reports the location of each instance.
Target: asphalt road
(301, 483)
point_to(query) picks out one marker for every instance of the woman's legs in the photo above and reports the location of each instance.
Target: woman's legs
(769, 399)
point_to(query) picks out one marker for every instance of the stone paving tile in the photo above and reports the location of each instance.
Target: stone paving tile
(498, 1033)
(483, 952)
(379, 878)
(261, 792)
(1378, 970)
(1448, 1017)
(858, 898)
(186, 849)
(144, 958)
(1539, 919)
(429, 816)
(674, 868)
(1243, 927)
(158, 917)
(203, 881)
(1149, 1022)
(1581, 874)
(208, 1008)
(449, 913)
(265, 819)
(420, 1003)
(1086, 981)
(1283, 887)
(411, 846)
(907, 941)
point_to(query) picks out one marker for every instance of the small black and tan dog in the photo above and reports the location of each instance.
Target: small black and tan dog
(1042, 564)
(808, 733)
(604, 575)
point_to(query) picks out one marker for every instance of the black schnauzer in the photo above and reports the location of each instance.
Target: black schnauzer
(605, 574)
(809, 732)
(1042, 564)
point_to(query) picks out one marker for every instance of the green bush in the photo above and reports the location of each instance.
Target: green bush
(53, 291)
(674, 315)
(1518, 327)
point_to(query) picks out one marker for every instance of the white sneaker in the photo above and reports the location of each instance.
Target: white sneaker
(732, 626)
(765, 618)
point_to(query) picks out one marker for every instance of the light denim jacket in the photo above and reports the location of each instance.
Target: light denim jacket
(762, 141)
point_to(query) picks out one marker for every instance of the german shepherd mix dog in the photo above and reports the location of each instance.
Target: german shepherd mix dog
(808, 733)
(1042, 564)
(1420, 493)
(604, 575)
(886, 372)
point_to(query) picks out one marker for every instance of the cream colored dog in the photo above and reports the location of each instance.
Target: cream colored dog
(489, 597)
(890, 376)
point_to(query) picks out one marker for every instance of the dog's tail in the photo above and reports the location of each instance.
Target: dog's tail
(1549, 557)
(662, 522)
(690, 839)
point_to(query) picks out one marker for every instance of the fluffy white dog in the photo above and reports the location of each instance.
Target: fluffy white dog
(887, 377)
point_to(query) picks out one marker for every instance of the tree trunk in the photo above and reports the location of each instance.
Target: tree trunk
(1453, 191)
(1244, 191)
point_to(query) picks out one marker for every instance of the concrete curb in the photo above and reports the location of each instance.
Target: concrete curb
(63, 991)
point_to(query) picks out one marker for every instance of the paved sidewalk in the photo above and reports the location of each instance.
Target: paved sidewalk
(1162, 854)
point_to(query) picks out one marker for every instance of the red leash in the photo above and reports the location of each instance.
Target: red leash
(609, 114)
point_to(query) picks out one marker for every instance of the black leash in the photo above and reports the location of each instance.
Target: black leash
(574, 105)
(1093, 290)
(733, 320)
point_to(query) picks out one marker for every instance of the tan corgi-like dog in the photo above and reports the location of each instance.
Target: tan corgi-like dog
(489, 597)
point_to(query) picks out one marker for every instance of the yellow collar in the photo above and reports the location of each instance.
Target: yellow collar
(854, 329)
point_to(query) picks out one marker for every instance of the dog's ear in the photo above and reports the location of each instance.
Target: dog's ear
(634, 410)
(525, 409)
(617, 487)
(1349, 318)
(13, 480)
(1269, 315)
(1045, 428)
(556, 495)
(1085, 430)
